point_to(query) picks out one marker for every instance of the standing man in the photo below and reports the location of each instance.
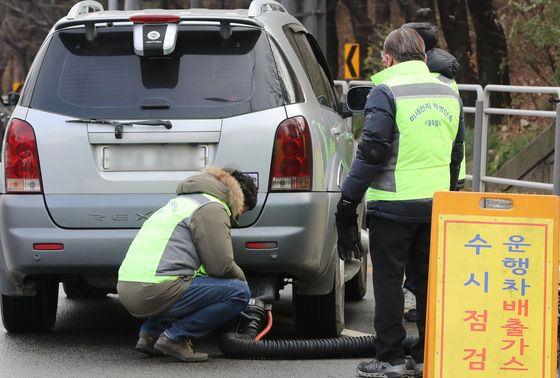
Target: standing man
(445, 67)
(412, 147)
(179, 271)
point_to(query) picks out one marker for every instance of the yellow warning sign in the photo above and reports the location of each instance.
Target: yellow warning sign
(351, 61)
(493, 299)
(16, 86)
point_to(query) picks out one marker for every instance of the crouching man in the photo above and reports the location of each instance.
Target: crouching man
(179, 273)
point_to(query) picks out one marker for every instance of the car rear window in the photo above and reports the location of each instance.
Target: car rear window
(206, 76)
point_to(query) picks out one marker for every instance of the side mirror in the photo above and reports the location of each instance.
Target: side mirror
(13, 98)
(343, 109)
(356, 98)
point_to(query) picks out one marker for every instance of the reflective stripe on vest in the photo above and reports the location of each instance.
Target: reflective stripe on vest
(444, 79)
(427, 120)
(163, 249)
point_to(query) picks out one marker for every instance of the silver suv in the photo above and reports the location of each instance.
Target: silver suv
(120, 106)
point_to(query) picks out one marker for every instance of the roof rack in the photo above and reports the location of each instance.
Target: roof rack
(84, 7)
(259, 7)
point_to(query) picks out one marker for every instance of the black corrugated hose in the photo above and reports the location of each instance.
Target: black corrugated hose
(243, 344)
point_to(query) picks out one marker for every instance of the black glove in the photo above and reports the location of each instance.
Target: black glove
(459, 185)
(347, 228)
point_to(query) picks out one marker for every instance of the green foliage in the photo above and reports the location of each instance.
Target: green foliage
(372, 62)
(500, 151)
(535, 33)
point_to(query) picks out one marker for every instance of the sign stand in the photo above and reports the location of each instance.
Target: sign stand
(493, 286)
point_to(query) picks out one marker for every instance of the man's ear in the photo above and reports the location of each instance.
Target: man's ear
(390, 60)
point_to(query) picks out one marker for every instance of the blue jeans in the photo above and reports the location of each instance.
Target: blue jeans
(206, 304)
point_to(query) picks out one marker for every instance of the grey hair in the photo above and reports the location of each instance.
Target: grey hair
(405, 44)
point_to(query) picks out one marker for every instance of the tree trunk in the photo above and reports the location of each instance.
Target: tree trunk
(361, 24)
(491, 46)
(427, 13)
(113, 5)
(418, 10)
(382, 12)
(132, 4)
(455, 27)
(408, 9)
(332, 38)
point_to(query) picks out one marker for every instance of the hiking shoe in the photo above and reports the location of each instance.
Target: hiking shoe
(180, 349)
(382, 369)
(416, 370)
(145, 345)
(410, 315)
(419, 369)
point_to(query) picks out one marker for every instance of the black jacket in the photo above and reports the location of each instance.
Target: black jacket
(442, 62)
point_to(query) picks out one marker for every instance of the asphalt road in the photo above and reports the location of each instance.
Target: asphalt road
(96, 337)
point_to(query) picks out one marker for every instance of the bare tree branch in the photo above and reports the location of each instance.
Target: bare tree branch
(25, 23)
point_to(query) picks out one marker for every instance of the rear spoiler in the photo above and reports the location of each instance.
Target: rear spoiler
(94, 21)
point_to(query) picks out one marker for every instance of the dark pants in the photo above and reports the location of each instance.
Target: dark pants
(392, 246)
(408, 279)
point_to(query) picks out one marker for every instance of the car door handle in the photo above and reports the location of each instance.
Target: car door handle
(335, 131)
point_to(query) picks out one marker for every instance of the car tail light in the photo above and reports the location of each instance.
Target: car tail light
(292, 160)
(23, 174)
(154, 19)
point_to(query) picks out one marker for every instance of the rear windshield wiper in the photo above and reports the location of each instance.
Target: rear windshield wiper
(119, 125)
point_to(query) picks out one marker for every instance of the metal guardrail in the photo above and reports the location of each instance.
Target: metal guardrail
(482, 112)
(489, 110)
(477, 110)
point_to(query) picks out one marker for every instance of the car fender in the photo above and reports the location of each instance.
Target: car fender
(324, 283)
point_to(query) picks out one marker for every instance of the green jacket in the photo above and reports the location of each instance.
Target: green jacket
(190, 232)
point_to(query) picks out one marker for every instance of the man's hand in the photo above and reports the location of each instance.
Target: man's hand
(349, 243)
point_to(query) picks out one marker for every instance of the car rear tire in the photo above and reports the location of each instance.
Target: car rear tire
(31, 314)
(319, 316)
(356, 288)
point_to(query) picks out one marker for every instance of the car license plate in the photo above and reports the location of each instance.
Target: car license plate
(153, 157)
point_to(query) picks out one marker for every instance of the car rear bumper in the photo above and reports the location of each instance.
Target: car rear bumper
(301, 225)
(25, 221)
